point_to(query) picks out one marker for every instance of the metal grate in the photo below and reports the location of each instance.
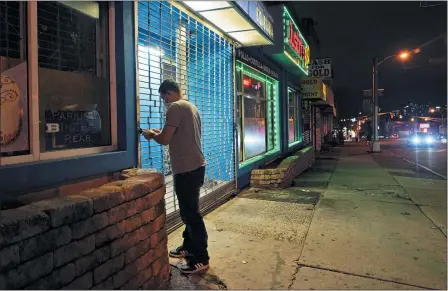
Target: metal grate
(67, 38)
(174, 45)
(10, 30)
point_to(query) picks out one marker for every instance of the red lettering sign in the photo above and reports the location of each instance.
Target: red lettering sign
(295, 41)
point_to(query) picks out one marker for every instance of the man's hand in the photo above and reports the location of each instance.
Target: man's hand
(157, 131)
(148, 134)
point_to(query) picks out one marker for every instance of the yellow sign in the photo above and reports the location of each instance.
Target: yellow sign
(313, 88)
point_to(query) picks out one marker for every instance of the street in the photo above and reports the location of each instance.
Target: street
(434, 158)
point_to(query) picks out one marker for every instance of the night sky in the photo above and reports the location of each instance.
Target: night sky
(352, 33)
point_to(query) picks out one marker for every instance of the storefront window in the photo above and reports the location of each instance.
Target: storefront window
(14, 128)
(59, 53)
(293, 116)
(256, 113)
(254, 122)
(74, 100)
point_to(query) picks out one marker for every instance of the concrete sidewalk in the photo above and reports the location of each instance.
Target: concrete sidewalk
(373, 228)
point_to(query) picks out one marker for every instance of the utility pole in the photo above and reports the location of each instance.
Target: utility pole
(376, 143)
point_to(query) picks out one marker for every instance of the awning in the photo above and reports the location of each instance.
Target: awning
(248, 22)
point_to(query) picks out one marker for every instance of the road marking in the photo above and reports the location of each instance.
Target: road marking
(429, 151)
(421, 166)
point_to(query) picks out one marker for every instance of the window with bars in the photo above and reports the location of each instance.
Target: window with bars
(73, 79)
(71, 46)
(67, 38)
(172, 44)
(257, 113)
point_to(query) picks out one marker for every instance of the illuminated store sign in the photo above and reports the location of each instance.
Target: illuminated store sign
(295, 45)
(258, 13)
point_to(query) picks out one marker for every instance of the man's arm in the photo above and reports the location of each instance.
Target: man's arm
(173, 120)
(165, 136)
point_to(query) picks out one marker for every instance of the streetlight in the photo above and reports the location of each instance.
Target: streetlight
(376, 142)
(404, 55)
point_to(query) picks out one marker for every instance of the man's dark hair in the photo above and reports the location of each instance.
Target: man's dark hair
(169, 85)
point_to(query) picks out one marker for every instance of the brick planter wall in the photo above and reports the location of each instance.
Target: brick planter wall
(284, 174)
(111, 237)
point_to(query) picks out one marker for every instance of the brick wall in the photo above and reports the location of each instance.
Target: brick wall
(111, 237)
(284, 174)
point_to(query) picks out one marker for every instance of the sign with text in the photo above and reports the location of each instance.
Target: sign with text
(248, 59)
(368, 92)
(257, 11)
(312, 88)
(295, 45)
(72, 129)
(320, 68)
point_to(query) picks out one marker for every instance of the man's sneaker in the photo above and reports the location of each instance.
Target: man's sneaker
(192, 268)
(180, 252)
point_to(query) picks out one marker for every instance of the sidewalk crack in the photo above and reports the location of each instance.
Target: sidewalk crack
(294, 276)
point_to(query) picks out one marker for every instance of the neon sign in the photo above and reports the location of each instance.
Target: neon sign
(295, 41)
(295, 44)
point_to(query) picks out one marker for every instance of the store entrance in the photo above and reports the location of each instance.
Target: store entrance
(172, 44)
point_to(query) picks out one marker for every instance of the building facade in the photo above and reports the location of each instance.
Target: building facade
(85, 77)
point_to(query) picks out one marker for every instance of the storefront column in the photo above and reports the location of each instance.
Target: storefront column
(284, 112)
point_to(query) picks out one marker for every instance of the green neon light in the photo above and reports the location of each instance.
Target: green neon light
(273, 100)
(258, 158)
(295, 62)
(296, 59)
(295, 25)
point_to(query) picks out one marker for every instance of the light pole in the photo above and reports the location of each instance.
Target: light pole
(376, 142)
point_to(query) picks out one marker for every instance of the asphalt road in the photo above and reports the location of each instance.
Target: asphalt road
(434, 158)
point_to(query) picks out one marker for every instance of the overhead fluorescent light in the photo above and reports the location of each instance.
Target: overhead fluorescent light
(91, 9)
(250, 38)
(199, 6)
(228, 20)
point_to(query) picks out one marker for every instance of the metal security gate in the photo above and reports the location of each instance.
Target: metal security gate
(173, 44)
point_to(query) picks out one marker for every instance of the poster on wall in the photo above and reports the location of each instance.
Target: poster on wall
(14, 110)
(320, 68)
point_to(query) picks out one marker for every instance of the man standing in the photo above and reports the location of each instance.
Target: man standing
(182, 132)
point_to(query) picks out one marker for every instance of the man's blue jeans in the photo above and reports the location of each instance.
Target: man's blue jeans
(187, 186)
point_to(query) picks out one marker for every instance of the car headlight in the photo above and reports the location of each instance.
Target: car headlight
(415, 140)
(429, 140)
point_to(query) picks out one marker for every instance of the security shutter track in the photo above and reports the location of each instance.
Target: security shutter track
(174, 45)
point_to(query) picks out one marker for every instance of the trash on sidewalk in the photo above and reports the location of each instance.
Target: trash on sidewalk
(405, 213)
